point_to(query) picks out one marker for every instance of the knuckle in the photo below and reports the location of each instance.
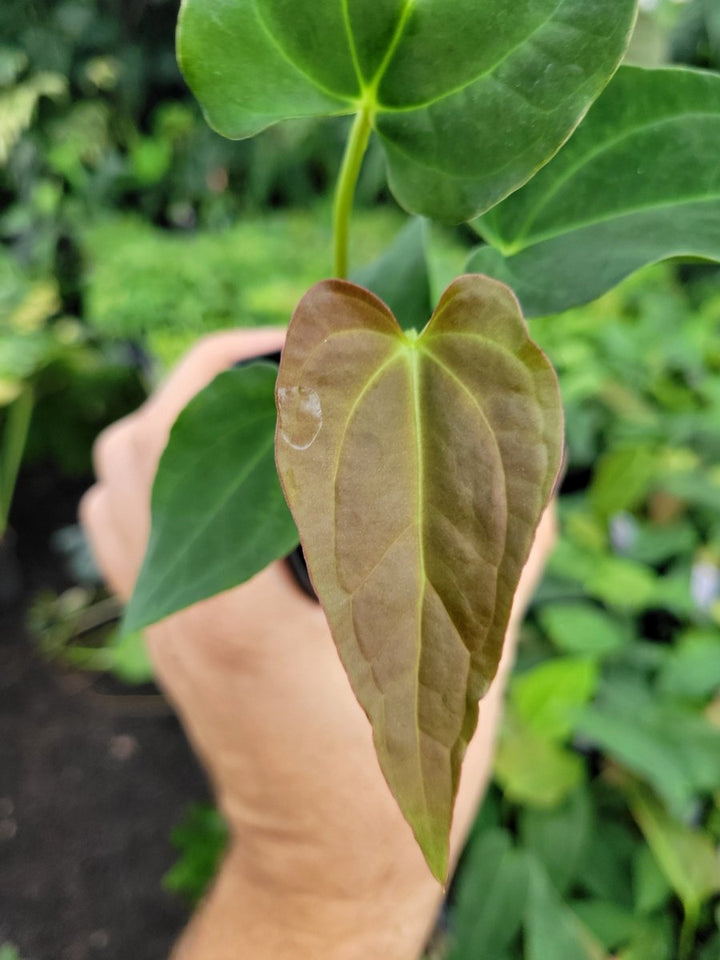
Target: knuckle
(115, 442)
(91, 508)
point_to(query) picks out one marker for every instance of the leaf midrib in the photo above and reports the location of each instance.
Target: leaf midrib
(368, 89)
(511, 253)
(413, 352)
(483, 75)
(296, 66)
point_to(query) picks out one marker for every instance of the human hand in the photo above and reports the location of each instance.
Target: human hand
(322, 863)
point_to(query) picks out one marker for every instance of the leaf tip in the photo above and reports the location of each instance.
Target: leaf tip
(434, 842)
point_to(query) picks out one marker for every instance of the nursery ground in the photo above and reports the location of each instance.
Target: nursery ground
(92, 778)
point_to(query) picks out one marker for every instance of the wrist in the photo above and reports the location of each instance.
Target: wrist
(245, 918)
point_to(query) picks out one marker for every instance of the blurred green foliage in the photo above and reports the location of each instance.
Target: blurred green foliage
(164, 289)
(200, 839)
(115, 128)
(80, 627)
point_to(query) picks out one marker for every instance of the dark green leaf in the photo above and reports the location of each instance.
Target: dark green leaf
(688, 857)
(655, 545)
(675, 751)
(468, 97)
(582, 628)
(552, 930)
(650, 885)
(490, 905)
(606, 864)
(559, 837)
(622, 479)
(611, 924)
(654, 940)
(218, 512)
(692, 669)
(639, 182)
(711, 949)
(400, 277)
(417, 468)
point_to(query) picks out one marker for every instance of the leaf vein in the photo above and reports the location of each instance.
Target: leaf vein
(236, 481)
(485, 74)
(288, 59)
(586, 159)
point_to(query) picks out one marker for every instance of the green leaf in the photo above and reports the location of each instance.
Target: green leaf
(491, 895)
(201, 838)
(559, 837)
(552, 930)
(549, 696)
(655, 545)
(218, 512)
(688, 857)
(653, 941)
(692, 668)
(417, 469)
(400, 277)
(710, 949)
(18, 105)
(533, 770)
(468, 97)
(604, 871)
(622, 479)
(639, 182)
(675, 751)
(582, 628)
(611, 924)
(622, 583)
(650, 886)
(127, 657)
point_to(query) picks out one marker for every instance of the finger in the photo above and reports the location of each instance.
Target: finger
(118, 448)
(126, 457)
(545, 539)
(209, 357)
(111, 556)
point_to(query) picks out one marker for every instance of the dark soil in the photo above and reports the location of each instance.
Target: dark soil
(93, 776)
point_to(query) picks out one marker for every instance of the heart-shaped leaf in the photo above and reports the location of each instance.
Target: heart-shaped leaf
(469, 97)
(638, 182)
(218, 512)
(417, 468)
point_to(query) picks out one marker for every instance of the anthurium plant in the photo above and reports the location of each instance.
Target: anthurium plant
(413, 456)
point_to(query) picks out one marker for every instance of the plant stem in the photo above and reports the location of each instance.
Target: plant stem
(345, 192)
(14, 439)
(688, 931)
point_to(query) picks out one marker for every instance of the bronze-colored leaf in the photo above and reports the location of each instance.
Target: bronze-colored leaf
(417, 468)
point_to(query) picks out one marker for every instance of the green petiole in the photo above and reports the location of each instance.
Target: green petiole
(345, 192)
